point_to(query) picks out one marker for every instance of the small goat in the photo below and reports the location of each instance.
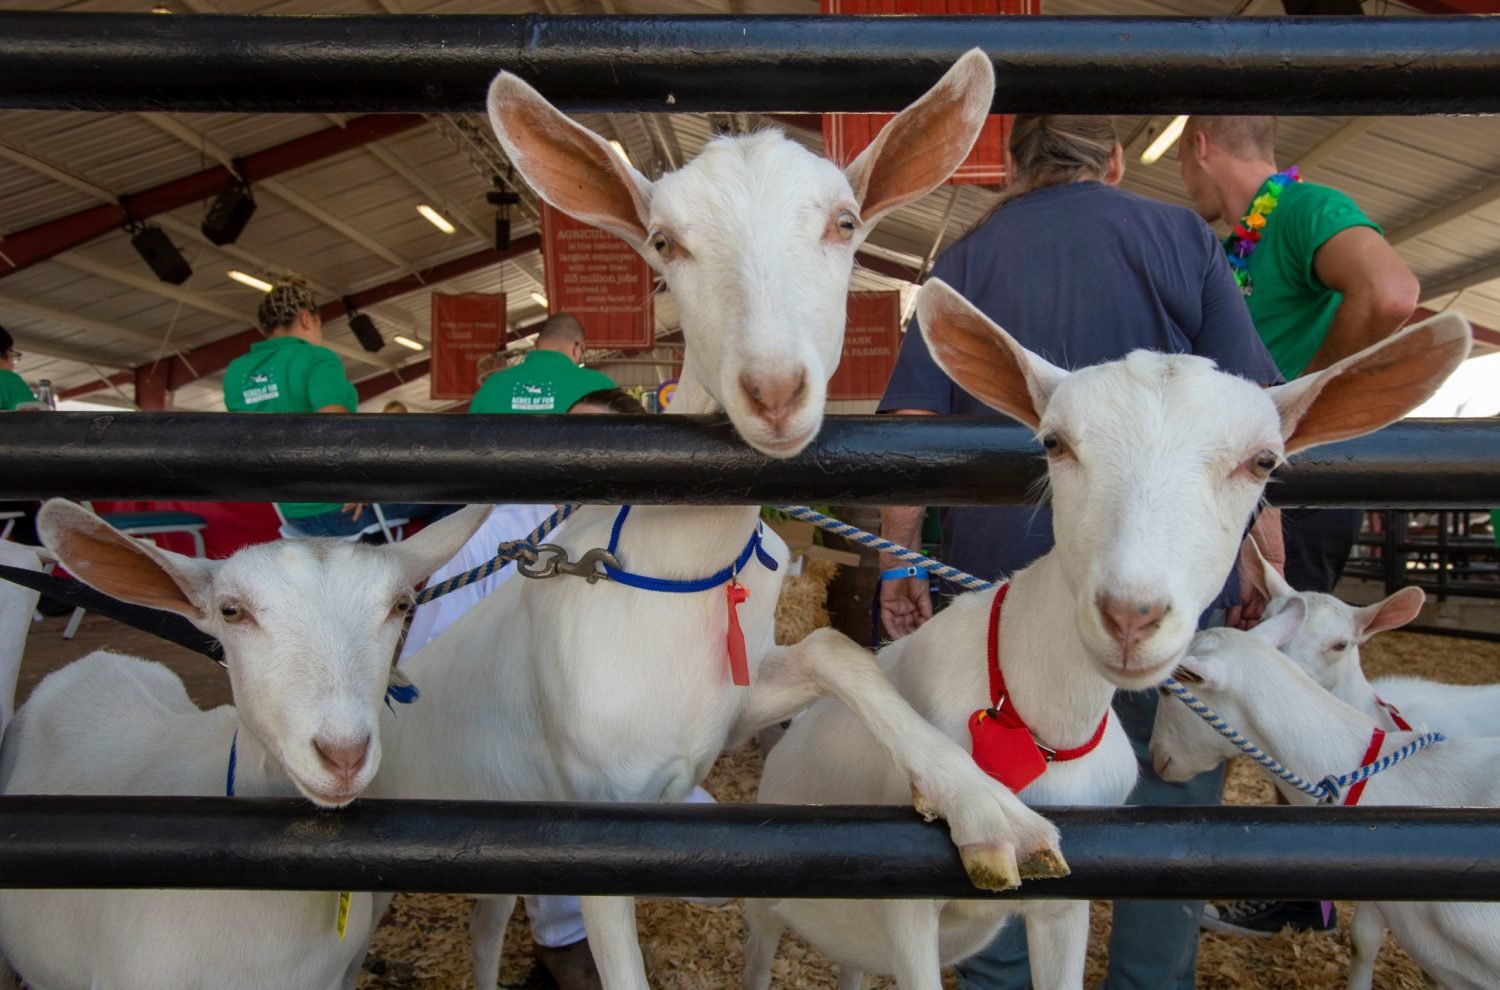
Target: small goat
(1327, 646)
(565, 690)
(309, 629)
(1155, 462)
(1246, 679)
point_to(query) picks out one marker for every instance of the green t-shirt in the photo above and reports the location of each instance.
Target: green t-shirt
(289, 375)
(13, 391)
(545, 382)
(1289, 304)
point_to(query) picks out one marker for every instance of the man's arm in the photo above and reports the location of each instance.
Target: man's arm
(1380, 293)
(905, 603)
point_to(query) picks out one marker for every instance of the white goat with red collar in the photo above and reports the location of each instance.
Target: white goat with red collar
(309, 630)
(1327, 646)
(1155, 462)
(566, 690)
(1254, 687)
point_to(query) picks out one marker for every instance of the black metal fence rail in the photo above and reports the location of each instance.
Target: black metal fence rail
(735, 850)
(414, 63)
(856, 460)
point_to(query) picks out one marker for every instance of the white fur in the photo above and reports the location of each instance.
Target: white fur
(310, 664)
(1275, 704)
(1149, 503)
(601, 692)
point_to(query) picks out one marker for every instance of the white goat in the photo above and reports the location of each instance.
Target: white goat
(1269, 698)
(1327, 649)
(1155, 462)
(309, 630)
(607, 692)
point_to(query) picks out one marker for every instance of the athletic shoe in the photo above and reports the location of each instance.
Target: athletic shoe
(1262, 919)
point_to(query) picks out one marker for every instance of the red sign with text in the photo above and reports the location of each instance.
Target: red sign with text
(595, 276)
(845, 135)
(465, 329)
(872, 339)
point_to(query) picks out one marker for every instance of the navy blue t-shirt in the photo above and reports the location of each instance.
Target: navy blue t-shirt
(1080, 274)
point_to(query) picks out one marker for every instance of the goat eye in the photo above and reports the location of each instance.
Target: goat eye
(404, 604)
(1055, 445)
(1263, 463)
(1339, 647)
(662, 244)
(232, 612)
(847, 221)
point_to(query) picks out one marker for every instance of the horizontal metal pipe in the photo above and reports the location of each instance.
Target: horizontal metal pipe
(435, 64)
(735, 850)
(856, 460)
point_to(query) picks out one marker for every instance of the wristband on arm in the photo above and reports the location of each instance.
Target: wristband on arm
(908, 571)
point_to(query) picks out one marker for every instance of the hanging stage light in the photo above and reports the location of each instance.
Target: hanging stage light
(157, 250)
(229, 213)
(502, 199)
(363, 328)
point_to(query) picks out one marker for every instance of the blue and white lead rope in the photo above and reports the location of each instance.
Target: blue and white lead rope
(505, 553)
(1328, 790)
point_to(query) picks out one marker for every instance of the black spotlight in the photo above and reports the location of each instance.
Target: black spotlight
(229, 213)
(502, 199)
(363, 329)
(157, 250)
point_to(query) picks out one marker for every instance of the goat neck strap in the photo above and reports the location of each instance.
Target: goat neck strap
(1007, 715)
(753, 548)
(234, 744)
(1372, 752)
(1395, 714)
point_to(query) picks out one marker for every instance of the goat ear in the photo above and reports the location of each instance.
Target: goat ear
(131, 570)
(1377, 386)
(1393, 613)
(1262, 576)
(568, 165)
(1278, 630)
(982, 358)
(923, 144)
(430, 549)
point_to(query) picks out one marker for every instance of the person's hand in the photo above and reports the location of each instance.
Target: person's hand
(354, 509)
(905, 604)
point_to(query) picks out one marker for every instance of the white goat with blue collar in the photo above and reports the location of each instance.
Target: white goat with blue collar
(309, 630)
(566, 690)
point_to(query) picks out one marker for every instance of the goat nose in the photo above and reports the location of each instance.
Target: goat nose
(1129, 622)
(342, 758)
(774, 397)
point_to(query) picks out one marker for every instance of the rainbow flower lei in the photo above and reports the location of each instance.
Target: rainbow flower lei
(1245, 237)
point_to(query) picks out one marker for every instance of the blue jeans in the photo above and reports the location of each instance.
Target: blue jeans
(1153, 945)
(340, 523)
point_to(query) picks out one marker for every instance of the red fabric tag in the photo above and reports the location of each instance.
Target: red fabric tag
(1010, 755)
(739, 665)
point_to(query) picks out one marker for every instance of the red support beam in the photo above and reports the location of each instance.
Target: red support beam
(215, 356)
(152, 392)
(1483, 336)
(382, 383)
(35, 244)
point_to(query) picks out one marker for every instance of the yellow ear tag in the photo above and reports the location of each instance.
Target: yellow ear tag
(342, 925)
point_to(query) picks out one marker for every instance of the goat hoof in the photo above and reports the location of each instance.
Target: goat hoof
(924, 808)
(1043, 864)
(991, 867)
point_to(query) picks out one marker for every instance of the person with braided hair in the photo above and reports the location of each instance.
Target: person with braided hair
(290, 371)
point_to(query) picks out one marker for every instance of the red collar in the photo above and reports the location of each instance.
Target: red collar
(1007, 715)
(1377, 739)
(1394, 713)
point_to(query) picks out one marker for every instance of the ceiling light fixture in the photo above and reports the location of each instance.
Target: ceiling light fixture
(540, 300)
(435, 218)
(1164, 140)
(620, 150)
(250, 280)
(415, 345)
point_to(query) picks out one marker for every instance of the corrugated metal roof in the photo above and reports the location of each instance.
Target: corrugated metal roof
(1400, 170)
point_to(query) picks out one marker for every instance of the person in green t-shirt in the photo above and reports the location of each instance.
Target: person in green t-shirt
(291, 372)
(13, 391)
(549, 380)
(1321, 284)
